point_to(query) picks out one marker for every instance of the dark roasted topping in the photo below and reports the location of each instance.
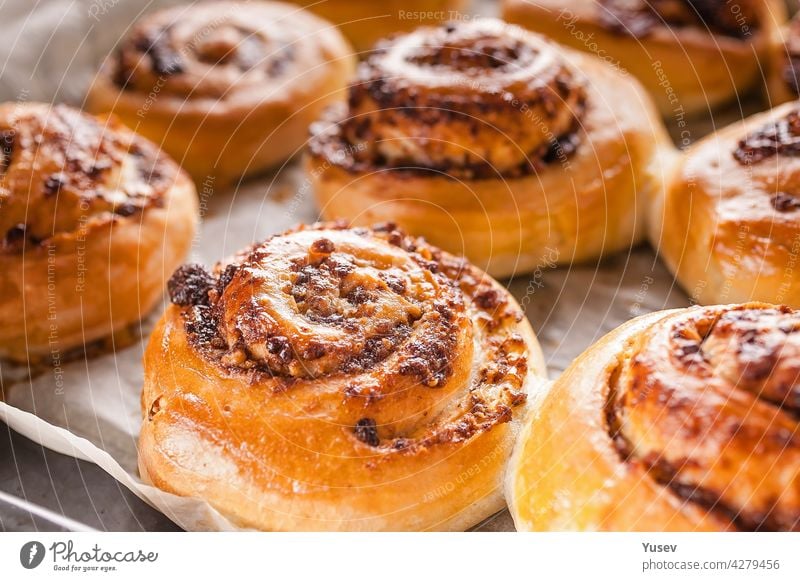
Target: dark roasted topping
(489, 298)
(163, 58)
(206, 53)
(14, 236)
(227, 276)
(322, 246)
(367, 432)
(509, 92)
(62, 171)
(780, 137)
(722, 406)
(280, 347)
(189, 285)
(784, 202)
(361, 309)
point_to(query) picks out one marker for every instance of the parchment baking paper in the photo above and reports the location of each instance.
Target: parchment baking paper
(90, 408)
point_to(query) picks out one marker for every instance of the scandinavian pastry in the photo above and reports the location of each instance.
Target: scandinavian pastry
(227, 88)
(784, 80)
(494, 143)
(683, 420)
(729, 226)
(364, 23)
(93, 219)
(691, 56)
(338, 379)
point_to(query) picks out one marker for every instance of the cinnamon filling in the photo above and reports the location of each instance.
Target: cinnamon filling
(724, 433)
(203, 53)
(473, 100)
(61, 170)
(781, 137)
(389, 313)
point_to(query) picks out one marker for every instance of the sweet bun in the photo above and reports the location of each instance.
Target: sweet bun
(227, 88)
(93, 220)
(338, 379)
(683, 420)
(728, 227)
(691, 56)
(494, 143)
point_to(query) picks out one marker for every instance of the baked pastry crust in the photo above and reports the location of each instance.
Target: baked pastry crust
(365, 23)
(728, 225)
(338, 379)
(690, 56)
(493, 143)
(683, 420)
(227, 88)
(93, 219)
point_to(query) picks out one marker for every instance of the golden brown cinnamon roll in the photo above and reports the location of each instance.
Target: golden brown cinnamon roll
(227, 88)
(491, 142)
(729, 226)
(93, 219)
(691, 55)
(364, 23)
(338, 379)
(683, 420)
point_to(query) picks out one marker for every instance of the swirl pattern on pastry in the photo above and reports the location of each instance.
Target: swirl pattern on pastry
(367, 358)
(456, 98)
(227, 88)
(210, 51)
(692, 425)
(63, 171)
(725, 404)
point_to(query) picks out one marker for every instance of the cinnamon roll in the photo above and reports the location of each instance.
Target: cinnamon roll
(491, 142)
(337, 379)
(93, 219)
(683, 420)
(364, 23)
(729, 226)
(691, 55)
(227, 88)
(784, 80)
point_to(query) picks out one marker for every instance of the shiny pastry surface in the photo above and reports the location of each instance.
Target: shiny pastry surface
(338, 379)
(227, 88)
(691, 56)
(679, 420)
(728, 228)
(83, 201)
(62, 170)
(492, 142)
